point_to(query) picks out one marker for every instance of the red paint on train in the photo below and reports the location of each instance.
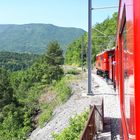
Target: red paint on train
(102, 63)
(125, 72)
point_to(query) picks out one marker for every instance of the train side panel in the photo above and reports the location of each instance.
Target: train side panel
(137, 64)
(125, 76)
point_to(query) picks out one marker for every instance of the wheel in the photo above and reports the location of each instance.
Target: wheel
(97, 72)
(114, 86)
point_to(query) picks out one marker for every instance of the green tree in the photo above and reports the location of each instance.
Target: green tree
(20, 91)
(16, 61)
(103, 37)
(6, 91)
(55, 54)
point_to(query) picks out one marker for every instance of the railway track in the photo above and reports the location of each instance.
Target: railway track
(111, 119)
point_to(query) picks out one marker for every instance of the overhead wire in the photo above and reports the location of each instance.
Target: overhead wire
(110, 37)
(102, 8)
(108, 7)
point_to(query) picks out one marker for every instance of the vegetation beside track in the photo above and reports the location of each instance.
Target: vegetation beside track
(73, 131)
(103, 36)
(20, 94)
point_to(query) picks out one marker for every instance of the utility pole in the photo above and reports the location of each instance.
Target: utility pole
(89, 45)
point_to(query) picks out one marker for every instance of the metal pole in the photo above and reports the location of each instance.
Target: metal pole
(89, 45)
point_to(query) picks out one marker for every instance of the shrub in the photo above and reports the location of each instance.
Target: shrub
(62, 89)
(45, 116)
(63, 93)
(73, 71)
(73, 131)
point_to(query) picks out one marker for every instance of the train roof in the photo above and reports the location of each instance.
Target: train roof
(107, 50)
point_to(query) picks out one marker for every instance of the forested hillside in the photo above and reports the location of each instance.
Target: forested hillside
(21, 91)
(16, 61)
(103, 37)
(31, 86)
(34, 38)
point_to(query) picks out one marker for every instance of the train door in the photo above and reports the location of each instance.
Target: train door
(110, 68)
(113, 68)
(117, 68)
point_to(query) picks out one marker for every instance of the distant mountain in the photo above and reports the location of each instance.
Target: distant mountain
(34, 38)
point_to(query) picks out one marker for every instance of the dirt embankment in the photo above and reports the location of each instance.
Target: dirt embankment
(77, 103)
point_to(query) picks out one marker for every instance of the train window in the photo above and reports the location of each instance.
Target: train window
(124, 38)
(110, 54)
(128, 77)
(128, 92)
(124, 51)
(123, 22)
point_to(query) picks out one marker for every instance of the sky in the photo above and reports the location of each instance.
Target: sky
(65, 13)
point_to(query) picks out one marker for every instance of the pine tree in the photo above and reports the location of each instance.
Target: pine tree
(55, 54)
(6, 91)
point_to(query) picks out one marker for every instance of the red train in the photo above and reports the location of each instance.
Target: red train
(123, 67)
(102, 63)
(105, 65)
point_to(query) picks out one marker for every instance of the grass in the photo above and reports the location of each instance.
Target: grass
(73, 131)
(62, 89)
(73, 72)
(60, 92)
(45, 117)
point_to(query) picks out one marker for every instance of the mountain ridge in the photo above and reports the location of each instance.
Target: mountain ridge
(34, 37)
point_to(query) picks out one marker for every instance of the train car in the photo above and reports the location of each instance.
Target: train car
(102, 62)
(128, 67)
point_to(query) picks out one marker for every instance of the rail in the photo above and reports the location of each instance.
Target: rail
(94, 123)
